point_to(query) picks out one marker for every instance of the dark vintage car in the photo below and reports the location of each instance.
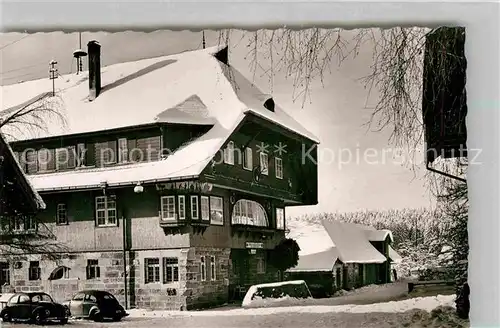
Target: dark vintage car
(95, 305)
(35, 307)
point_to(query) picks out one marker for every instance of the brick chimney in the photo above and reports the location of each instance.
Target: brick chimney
(94, 54)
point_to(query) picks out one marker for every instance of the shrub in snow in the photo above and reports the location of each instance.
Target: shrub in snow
(289, 292)
(285, 255)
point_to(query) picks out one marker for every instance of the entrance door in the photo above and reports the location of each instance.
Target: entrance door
(345, 278)
(361, 274)
(338, 278)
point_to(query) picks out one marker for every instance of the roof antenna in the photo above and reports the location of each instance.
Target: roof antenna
(203, 38)
(53, 74)
(78, 54)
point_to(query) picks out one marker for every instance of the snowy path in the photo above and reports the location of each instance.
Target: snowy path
(423, 303)
(285, 320)
(383, 315)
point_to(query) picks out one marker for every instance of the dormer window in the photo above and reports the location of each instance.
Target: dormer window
(248, 159)
(229, 153)
(122, 150)
(278, 167)
(264, 163)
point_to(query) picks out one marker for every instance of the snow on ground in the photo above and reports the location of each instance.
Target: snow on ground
(366, 289)
(420, 303)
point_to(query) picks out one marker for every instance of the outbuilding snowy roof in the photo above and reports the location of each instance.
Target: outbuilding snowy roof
(394, 256)
(36, 197)
(191, 87)
(352, 243)
(317, 262)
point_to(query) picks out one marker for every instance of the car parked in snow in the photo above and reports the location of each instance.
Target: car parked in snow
(95, 305)
(35, 307)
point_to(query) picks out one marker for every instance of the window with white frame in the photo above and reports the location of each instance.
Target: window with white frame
(122, 150)
(212, 268)
(205, 208)
(248, 159)
(203, 268)
(105, 211)
(264, 163)
(216, 210)
(29, 223)
(278, 167)
(229, 153)
(168, 208)
(80, 151)
(194, 208)
(34, 271)
(16, 223)
(93, 269)
(280, 218)
(62, 214)
(43, 160)
(249, 212)
(151, 270)
(170, 269)
(182, 207)
(4, 273)
(65, 158)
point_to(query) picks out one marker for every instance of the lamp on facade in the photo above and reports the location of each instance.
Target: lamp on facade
(138, 188)
(104, 186)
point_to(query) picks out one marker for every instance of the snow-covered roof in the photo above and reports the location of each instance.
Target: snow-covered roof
(352, 243)
(135, 93)
(322, 261)
(379, 235)
(191, 87)
(38, 200)
(394, 256)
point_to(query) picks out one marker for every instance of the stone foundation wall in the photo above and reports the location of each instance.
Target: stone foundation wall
(111, 275)
(190, 292)
(211, 291)
(155, 296)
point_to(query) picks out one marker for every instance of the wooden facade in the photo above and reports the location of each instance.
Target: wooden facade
(175, 244)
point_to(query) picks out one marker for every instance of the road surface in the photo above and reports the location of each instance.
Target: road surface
(288, 320)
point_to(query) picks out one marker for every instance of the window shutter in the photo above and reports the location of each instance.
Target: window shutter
(87, 272)
(133, 156)
(208, 268)
(112, 145)
(146, 271)
(71, 157)
(90, 154)
(51, 165)
(164, 269)
(98, 272)
(32, 163)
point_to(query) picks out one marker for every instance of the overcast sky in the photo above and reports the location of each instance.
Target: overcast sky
(336, 112)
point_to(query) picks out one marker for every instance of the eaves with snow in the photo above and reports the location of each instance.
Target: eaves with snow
(194, 87)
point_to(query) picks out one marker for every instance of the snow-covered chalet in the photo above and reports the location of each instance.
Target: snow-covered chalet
(352, 256)
(166, 178)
